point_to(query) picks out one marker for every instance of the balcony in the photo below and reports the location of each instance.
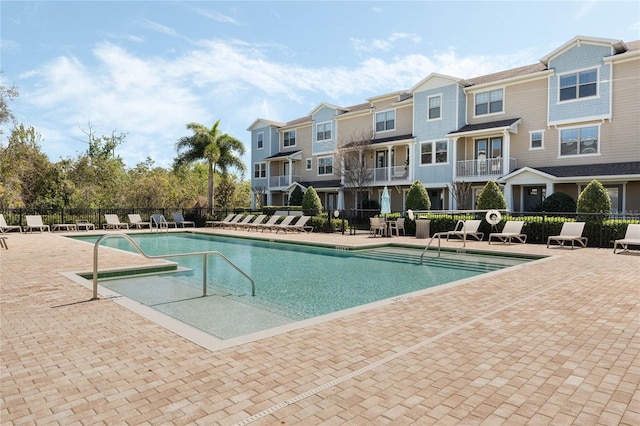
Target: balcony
(282, 181)
(390, 174)
(484, 168)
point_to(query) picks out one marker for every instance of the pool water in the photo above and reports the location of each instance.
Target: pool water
(293, 282)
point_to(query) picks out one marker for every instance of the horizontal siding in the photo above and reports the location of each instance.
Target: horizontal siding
(621, 137)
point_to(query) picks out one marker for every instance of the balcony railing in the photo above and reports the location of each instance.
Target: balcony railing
(280, 181)
(488, 167)
(390, 174)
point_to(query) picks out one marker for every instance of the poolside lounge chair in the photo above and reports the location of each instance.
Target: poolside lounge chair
(113, 222)
(158, 221)
(233, 222)
(285, 222)
(180, 222)
(299, 226)
(631, 238)
(571, 231)
(35, 222)
(512, 231)
(247, 219)
(6, 228)
(466, 228)
(267, 225)
(3, 242)
(137, 221)
(213, 223)
(258, 220)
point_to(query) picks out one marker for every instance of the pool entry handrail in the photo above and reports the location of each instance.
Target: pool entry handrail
(204, 255)
(437, 235)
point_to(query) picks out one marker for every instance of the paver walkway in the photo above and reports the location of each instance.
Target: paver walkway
(554, 342)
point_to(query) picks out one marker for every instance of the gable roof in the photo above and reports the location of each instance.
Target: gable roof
(618, 46)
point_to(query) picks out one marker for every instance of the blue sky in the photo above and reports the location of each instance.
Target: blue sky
(147, 68)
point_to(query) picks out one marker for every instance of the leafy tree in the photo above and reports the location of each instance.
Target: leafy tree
(296, 197)
(594, 199)
(491, 197)
(216, 148)
(6, 94)
(311, 203)
(417, 197)
(558, 202)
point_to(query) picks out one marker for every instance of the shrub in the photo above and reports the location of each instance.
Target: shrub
(370, 204)
(594, 199)
(311, 204)
(491, 197)
(417, 197)
(558, 202)
(296, 197)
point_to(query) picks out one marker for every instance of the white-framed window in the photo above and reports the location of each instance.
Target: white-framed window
(434, 152)
(308, 164)
(385, 120)
(489, 102)
(579, 141)
(260, 140)
(536, 139)
(260, 170)
(323, 131)
(578, 85)
(325, 165)
(434, 106)
(290, 138)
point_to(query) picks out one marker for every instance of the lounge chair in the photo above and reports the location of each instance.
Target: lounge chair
(267, 225)
(35, 222)
(285, 222)
(571, 231)
(137, 221)
(377, 226)
(3, 242)
(631, 238)
(158, 221)
(466, 228)
(233, 222)
(213, 223)
(299, 226)
(113, 222)
(180, 222)
(247, 219)
(512, 231)
(398, 225)
(6, 228)
(258, 220)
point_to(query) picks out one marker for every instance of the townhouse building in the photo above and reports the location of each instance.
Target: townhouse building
(552, 126)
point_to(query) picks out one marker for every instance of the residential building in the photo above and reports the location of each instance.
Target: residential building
(552, 126)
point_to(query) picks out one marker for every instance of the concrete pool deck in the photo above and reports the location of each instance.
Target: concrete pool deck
(552, 342)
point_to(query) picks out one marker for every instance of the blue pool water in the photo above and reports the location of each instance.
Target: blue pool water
(293, 282)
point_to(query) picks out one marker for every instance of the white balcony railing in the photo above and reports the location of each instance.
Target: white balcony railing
(390, 174)
(488, 167)
(281, 181)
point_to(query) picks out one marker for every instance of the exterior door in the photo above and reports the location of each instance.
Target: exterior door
(533, 196)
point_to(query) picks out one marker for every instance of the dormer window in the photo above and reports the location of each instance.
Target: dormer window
(579, 85)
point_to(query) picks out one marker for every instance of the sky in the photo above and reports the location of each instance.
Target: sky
(147, 68)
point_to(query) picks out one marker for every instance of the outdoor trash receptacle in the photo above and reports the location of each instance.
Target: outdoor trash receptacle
(422, 228)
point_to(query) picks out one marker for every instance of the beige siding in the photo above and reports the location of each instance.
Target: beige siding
(355, 128)
(620, 138)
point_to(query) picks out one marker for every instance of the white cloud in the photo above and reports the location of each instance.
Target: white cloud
(218, 17)
(362, 45)
(163, 29)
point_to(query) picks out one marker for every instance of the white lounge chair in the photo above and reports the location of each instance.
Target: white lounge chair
(227, 219)
(397, 225)
(35, 222)
(299, 226)
(137, 221)
(267, 225)
(285, 222)
(631, 238)
(571, 231)
(6, 228)
(233, 222)
(180, 222)
(466, 228)
(512, 231)
(113, 222)
(257, 221)
(245, 220)
(158, 221)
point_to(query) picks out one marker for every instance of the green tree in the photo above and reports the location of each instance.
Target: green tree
(218, 149)
(311, 203)
(417, 197)
(491, 197)
(594, 199)
(295, 199)
(558, 202)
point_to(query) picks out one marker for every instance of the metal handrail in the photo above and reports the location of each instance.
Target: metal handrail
(137, 247)
(440, 234)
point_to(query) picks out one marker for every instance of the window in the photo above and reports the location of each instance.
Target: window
(434, 152)
(260, 140)
(323, 131)
(290, 138)
(578, 85)
(325, 166)
(260, 170)
(434, 112)
(489, 102)
(385, 121)
(535, 139)
(308, 162)
(579, 141)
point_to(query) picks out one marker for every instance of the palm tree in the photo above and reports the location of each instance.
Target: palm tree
(217, 148)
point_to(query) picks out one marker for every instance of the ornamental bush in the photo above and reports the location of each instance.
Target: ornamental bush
(491, 197)
(417, 197)
(295, 199)
(594, 199)
(558, 202)
(311, 204)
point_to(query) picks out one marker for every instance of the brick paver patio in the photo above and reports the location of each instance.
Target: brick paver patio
(553, 342)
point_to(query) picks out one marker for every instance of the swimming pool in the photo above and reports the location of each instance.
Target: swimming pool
(293, 282)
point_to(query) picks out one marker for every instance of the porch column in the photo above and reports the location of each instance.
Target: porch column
(290, 170)
(506, 152)
(389, 163)
(508, 196)
(550, 188)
